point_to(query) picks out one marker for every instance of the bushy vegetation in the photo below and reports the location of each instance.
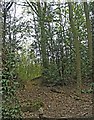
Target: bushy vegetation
(51, 40)
(27, 68)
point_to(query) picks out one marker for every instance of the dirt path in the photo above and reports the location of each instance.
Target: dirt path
(56, 102)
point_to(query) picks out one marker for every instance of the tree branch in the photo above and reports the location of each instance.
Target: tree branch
(8, 5)
(33, 7)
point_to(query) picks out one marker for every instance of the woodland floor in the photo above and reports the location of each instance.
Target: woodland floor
(58, 101)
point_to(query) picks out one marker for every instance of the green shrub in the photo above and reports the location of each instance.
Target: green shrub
(51, 75)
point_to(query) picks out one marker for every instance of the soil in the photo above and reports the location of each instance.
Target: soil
(57, 101)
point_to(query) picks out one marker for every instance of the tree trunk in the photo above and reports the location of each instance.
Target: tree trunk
(89, 33)
(92, 9)
(1, 53)
(76, 45)
(43, 38)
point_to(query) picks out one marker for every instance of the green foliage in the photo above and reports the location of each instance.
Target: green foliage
(10, 104)
(90, 90)
(92, 85)
(27, 67)
(53, 45)
(51, 75)
(87, 91)
(53, 40)
(29, 71)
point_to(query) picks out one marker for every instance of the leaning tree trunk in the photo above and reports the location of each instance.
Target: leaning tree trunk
(89, 33)
(76, 45)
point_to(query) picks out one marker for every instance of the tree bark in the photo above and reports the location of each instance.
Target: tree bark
(76, 45)
(1, 25)
(92, 10)
(43, 38)
(89, 33)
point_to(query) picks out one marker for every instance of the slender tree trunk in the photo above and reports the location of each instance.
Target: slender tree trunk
(51, 44)
(92, 5)
(62, 36)
(89, 33)
(1, 53)
(41, 16)
(77, 45)
(3, 38)
(93, 39)
(1, 28)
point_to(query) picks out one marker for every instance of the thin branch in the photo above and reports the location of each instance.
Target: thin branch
(32, 5)
(9, 5)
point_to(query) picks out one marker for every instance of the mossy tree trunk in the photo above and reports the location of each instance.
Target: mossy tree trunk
(76, 45)
(43, 37)
(89, 33)
(92, 10)
(93, 40)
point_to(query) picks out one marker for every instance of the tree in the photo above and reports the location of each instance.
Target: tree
(8, 67)
(89, 33)
(43, 39)
(54, 42)
(40, 11)
(77, 45)
(92, 10)
(1, 25)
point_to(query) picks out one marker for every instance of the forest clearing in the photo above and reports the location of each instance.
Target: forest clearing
(47, 59)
